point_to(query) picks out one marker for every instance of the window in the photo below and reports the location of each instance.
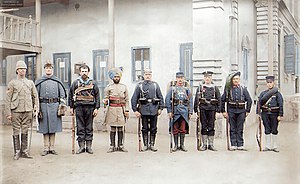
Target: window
(62, 67)
(289, 54)
(3, 68)
(140, 61)
(186, 62)
(31, 67)
(245, 64)
(100, 61)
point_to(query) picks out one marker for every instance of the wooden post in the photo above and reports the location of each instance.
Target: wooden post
(111, 33)
(270, 38)
(38, 7)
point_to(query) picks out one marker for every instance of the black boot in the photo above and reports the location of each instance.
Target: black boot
(175, 142)
(120, 142)
(24, 143)
(112, 147)
(81, 147)
(182, 142)
(89, 147)
(152, 142)
(17, 150)
(146, 142)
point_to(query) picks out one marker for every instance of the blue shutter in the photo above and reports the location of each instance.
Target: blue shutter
(289, 55)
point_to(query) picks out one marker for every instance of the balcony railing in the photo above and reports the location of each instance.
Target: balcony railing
(16, 29)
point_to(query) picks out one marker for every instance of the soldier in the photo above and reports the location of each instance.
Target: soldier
(270, 108)
(21, 104)
(117, 100)
(52, 93)
(84, 99)
(147, 103)
(179, 106)
(208, 101)
(238, 107)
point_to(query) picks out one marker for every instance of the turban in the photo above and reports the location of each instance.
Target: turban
(114, 72)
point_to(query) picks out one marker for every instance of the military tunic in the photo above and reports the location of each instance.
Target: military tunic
(84, 101)
(208, 101)
(51, 94)
(147, 95)
(182, 104)
(238, 103)
(115, 111)
(270, 111)
(21, 101)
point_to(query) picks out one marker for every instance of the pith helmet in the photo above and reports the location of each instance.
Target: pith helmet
(21, 64)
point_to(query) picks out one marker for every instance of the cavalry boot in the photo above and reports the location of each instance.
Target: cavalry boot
(24, 143)
(16, 141)
(146, 142)
(204, 141)
(120, 142)
(81, 147)
(211, 143)
(152, 142)
(268, 143)
(175, 142)
(274, 139)
(182, 143)
(112, 147)
(89, 147)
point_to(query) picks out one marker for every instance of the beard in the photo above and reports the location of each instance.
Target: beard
(116, 81)
(84, 77)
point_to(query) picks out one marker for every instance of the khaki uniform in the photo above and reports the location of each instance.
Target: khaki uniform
(115, 113)
(21, 100)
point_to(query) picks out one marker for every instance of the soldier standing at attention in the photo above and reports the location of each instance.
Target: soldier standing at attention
(117, 100)
(208, 101)
(239, 105)
(21, 103)
(147, 102)
(84, 99)
(270, 108)
(179, 106)
(51, 93)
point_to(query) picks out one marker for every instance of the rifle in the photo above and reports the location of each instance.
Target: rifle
(227, 132)
(139, 135)
(198, 129)
(73, 133)
(172, 119)
(259, 129)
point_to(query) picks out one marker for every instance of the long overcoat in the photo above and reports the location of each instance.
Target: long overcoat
(50, 88)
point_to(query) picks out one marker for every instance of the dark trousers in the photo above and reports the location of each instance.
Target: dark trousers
(236, 121)
(149, 124)
(207, 119)
(179, 127)
(84, 122)
(270, 122)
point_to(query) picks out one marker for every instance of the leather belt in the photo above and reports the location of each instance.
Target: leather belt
(48, 100)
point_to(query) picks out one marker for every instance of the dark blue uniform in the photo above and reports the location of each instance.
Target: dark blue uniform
(182, 105)
(208, 101)
(148, 99)
(270, 111)
(238, 103)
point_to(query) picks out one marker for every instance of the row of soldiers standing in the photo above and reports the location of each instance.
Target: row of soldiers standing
(46, 99)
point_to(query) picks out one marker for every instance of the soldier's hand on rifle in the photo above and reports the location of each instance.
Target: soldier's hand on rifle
(225, 114)
(279, 118)
(72, 111)
(137, 114)
(159, 111)
(9, 118)
(126, 114)
(95, 112)
(105, 101)
(170, 115)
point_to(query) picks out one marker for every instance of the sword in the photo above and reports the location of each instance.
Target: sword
(73, 133)
(259, 134)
